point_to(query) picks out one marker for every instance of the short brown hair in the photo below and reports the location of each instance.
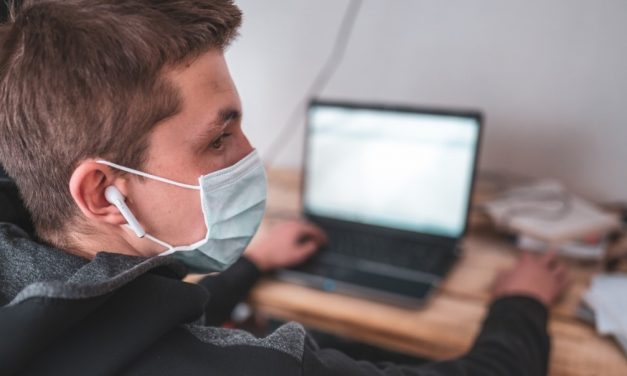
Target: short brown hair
(84, 78)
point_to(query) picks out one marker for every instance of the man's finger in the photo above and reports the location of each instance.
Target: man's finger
(560, 271)
(525, 256)
(565, 282)
(549, 259)
(308, 247)
(500, 277)
(314, 232)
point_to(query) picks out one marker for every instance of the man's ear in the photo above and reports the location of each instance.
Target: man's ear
(87, 187)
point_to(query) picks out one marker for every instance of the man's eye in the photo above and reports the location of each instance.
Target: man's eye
(218, 143)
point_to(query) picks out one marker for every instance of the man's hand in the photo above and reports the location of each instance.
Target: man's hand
(540, 277)
(286, 244)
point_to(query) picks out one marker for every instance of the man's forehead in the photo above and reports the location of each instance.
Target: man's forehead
(206, 89)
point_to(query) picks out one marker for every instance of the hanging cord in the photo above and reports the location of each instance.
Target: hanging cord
(322, 78)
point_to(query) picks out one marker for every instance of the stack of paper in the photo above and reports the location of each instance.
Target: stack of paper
(578, 249)
(547, 212)
(607, 297)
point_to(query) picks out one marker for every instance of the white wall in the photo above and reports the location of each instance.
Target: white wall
(550, 75)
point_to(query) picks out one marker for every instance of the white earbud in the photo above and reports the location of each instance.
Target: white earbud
(115, 197)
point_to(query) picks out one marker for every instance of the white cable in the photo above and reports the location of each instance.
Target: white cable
(149, 176)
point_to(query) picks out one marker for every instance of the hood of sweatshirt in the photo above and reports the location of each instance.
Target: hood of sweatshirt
(49, 297)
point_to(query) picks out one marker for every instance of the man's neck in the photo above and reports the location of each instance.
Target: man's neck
(89, 243)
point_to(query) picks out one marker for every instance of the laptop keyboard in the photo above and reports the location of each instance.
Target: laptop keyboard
(406, 254)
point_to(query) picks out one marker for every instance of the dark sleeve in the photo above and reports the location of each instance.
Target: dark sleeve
(513, 342)
(227, 289)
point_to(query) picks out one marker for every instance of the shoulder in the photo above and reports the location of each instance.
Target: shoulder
(195, 349)
(288, 339)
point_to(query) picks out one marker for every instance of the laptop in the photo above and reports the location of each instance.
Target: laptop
(391, 186)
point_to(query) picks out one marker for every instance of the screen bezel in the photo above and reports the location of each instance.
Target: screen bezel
(334, 222)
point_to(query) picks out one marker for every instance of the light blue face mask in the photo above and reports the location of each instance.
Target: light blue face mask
(233, 201)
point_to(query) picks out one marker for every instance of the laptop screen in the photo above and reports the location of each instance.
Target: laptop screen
(391, 168)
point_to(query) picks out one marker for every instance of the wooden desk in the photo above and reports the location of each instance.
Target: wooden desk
(449, 322)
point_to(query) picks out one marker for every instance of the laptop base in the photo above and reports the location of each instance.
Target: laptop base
(384, 288)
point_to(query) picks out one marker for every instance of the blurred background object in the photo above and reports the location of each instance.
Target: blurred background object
(549, 76)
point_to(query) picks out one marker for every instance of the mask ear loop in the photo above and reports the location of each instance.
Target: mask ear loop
(113, 196)
(169, 250)
(139, 231)
(149, 176)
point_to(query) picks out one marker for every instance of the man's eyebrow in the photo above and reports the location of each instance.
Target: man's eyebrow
(225, 116)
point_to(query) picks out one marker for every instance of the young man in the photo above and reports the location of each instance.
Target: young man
(121, 126)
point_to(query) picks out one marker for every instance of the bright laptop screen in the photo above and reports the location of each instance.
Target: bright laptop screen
(396, 169)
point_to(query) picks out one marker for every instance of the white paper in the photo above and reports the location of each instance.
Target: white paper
(548, 212)
(607, 296)
(573, 249)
